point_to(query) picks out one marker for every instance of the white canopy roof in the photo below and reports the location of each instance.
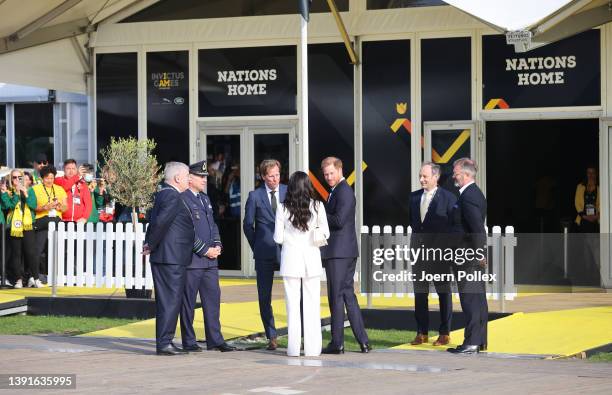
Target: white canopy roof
(46, 43)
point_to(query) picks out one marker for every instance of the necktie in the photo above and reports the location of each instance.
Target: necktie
(273, 201)
(425, 204)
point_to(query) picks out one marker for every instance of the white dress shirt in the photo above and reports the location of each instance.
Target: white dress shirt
(426, 199)
(268, 190)
(299, 256)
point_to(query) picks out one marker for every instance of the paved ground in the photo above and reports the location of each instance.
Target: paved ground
(114, 366)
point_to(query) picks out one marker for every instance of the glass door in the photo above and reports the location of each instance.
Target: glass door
(446, 142)
(233, 153)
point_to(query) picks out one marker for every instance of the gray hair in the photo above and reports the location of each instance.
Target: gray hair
(435, 168)
(173, 169)
(467, 166)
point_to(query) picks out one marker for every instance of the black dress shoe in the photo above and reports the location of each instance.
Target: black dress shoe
(193, 348)
(223, 347)
(464, 349)
(171, 349)
(331, 349)
(365, 348)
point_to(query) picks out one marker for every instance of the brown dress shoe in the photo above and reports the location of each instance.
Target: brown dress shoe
(419, 339)
(442, 340)
(272, 344)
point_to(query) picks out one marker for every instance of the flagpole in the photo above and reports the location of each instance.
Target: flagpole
(304, 93)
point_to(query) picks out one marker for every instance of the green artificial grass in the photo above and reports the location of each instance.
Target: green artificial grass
(57, 325)
(601, 357)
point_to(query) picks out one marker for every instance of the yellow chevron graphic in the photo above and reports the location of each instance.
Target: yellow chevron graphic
(351, 179)
(452, 150)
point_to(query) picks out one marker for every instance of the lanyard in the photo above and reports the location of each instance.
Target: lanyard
(49, 196)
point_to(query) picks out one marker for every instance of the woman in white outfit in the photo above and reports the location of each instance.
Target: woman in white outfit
(296, 220)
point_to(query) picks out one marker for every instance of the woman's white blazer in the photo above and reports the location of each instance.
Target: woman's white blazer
(299, 256)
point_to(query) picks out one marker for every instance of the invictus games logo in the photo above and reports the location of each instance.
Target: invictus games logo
(246, 82)
(164, 81)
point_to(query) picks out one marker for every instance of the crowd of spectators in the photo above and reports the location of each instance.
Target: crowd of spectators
(29, 201)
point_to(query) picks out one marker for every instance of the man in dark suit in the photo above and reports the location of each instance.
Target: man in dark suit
(431, 221)
(203, 272)
(170, 241)
(258, 226)
(469, 216)
(340, 258)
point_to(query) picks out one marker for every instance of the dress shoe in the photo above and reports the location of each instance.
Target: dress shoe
(223, 347)
(193, 348)
(419, 339)
(464, 349)
(272, 344)
(171, 349)
(442, 340)
(365, 348)
(331, 349)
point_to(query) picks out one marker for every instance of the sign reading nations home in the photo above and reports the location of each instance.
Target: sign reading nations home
(561, 74)
(247, 81)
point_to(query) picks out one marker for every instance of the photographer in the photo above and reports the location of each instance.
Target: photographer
(77, 191)
(21, 203)
(51, 201)
(97, 188)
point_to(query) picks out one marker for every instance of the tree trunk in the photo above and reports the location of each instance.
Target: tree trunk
(134, 217)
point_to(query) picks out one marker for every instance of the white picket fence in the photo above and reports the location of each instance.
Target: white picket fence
(101, 256)
(500, 260)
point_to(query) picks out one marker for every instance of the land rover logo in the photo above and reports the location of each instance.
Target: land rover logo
(178, 101)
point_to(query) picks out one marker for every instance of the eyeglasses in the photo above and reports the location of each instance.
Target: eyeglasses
(15, 177)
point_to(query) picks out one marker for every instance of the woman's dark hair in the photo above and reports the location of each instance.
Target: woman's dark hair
(29, 175)
(45, 171)
(585, 180)
(297, 200)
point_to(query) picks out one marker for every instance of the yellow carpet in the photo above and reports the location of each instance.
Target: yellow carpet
(63, 291)
(7, 297)
(559, 333)
(237, 319)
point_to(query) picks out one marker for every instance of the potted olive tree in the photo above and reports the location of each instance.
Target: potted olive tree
(132, 172)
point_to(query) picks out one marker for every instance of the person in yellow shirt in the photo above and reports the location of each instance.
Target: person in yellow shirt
(51, 202)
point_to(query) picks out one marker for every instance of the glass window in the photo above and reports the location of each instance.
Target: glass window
(330, 110)
(116, 97)
(168, 104)
(168, 10)
(33, 132)
(384, 4)
(3, 160)
(386, 132)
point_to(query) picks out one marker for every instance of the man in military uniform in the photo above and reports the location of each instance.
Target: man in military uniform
(203, 272)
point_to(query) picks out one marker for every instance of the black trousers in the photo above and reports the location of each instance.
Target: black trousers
(265, 280)
(473, 298)
(23, 252)
(169, 281)
(42, 241)
(421, 312)
(205, 282)
(341, 294)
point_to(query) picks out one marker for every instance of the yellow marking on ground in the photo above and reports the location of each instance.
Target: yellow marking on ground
(230, 282)
(562, 332)
(64, 291)
(237, 319)
(7, 297)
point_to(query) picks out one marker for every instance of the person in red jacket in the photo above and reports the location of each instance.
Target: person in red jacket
(79, 197)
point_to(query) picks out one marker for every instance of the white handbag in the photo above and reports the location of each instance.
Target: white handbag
(318, 236)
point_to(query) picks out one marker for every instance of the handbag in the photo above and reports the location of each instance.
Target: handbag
(318, 236)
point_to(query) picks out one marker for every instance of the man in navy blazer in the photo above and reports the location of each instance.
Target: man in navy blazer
(258, 226)
(170, 240)
(203, 272)
(340, 259)
(431, 210)
(469, 216)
